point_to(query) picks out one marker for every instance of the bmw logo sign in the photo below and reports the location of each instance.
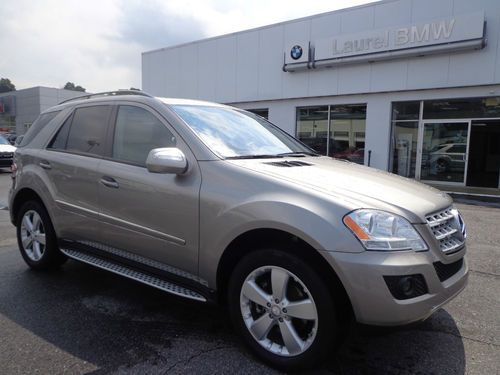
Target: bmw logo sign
(296, 52)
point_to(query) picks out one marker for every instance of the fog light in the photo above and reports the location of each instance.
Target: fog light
(406, 286)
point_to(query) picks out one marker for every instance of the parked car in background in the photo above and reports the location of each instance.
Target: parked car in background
(213, 203)
(447, 157)
(11, 137)
(6, 152)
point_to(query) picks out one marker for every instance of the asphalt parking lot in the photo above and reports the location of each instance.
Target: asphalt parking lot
(83, 320)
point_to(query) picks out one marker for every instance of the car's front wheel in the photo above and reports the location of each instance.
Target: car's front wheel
(36, 237)
(282, 309)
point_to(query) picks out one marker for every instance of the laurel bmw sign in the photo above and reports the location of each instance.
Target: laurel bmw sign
(458, 33)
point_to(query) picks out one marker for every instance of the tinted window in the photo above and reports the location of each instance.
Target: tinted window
(460, 149)
(137, 132)
(37, 127)
(88, 130)
(59, 142)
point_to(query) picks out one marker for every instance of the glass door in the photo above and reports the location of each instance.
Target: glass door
(444, 150)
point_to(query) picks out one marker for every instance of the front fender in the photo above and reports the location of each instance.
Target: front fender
(318, 225)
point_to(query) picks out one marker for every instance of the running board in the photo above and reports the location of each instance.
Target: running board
(133, 274)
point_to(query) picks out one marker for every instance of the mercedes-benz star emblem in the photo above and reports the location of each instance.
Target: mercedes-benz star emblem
(296, 52)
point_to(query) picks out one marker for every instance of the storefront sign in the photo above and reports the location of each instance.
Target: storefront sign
(438, 36)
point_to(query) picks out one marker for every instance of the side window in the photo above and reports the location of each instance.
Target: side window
(137, 132)
(59, 142)
(88, 130)
(37, 127)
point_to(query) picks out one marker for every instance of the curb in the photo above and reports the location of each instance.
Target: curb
(476, 199)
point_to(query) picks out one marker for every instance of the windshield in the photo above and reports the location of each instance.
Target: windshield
(3, 141)
(233, 133)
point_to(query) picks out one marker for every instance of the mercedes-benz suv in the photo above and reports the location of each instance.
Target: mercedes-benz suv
(216, 204)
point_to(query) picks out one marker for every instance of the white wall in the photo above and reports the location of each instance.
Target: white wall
(247, 66)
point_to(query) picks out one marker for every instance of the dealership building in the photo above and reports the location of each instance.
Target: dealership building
(18, 109)
(411, 87)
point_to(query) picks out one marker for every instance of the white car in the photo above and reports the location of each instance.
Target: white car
(6, 152)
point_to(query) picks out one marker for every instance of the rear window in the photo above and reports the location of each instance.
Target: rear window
(37, 127)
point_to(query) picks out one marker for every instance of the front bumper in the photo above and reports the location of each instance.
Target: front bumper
(362, 275)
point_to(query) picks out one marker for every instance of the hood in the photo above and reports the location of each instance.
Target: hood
(361, 186)
(7, 148)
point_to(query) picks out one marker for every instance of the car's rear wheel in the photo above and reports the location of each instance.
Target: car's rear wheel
(36, 237)
(282, 309)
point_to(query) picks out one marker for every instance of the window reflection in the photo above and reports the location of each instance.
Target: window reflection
(343, 138)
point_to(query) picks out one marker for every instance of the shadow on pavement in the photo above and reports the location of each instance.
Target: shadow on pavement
(117, 324)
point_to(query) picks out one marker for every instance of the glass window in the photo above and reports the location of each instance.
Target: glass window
(137, 132)
(59, 141)
(443, 151)
(312, 127)
(347, 132)
(237, 134)
(405, 110)
(88, 130)
(343, 138)
(404, 148)
(462, 108)
(37, 127)
(262, 112)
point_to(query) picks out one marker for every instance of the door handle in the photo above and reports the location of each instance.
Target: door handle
(109, 182)
(45, 164)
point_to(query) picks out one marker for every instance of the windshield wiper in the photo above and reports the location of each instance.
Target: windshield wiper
(299, 154)
(255, 156)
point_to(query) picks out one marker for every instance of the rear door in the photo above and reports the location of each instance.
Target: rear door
(70, 163)
(154, 216)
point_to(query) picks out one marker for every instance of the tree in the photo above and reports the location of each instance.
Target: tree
(6, 85)
(71, 86)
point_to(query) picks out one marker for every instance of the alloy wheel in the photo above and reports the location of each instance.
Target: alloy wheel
(279, 311)
(33, 235)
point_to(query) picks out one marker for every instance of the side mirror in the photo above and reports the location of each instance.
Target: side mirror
(166, 160)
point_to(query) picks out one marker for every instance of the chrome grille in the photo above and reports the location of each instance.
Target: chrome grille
(448, 229)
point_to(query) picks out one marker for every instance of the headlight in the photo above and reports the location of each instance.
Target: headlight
(379, 230)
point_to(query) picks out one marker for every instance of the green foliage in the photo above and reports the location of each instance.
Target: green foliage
(71, 86)
(6, 85)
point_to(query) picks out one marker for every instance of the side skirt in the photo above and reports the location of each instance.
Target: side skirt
(138, 271)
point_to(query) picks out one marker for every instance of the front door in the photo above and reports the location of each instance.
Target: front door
(154, 216)
(484, 154)
(444, 150)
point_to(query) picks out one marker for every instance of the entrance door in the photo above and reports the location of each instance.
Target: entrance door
(484, 154)
(444, 151)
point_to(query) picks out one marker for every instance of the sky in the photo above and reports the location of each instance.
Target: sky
(98, 44)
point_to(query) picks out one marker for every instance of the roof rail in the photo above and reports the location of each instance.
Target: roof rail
(108, 93)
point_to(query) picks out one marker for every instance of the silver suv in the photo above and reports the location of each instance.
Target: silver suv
(215, 204)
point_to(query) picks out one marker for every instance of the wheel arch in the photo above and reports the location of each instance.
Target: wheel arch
(24, 195)
(266, 237)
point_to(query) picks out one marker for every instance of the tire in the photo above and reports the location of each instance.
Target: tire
(278, 336)
(34, 227)
(442, 166)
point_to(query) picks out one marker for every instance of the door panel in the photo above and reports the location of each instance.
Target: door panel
(152, 215)
(70, 162)
(72, 181)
